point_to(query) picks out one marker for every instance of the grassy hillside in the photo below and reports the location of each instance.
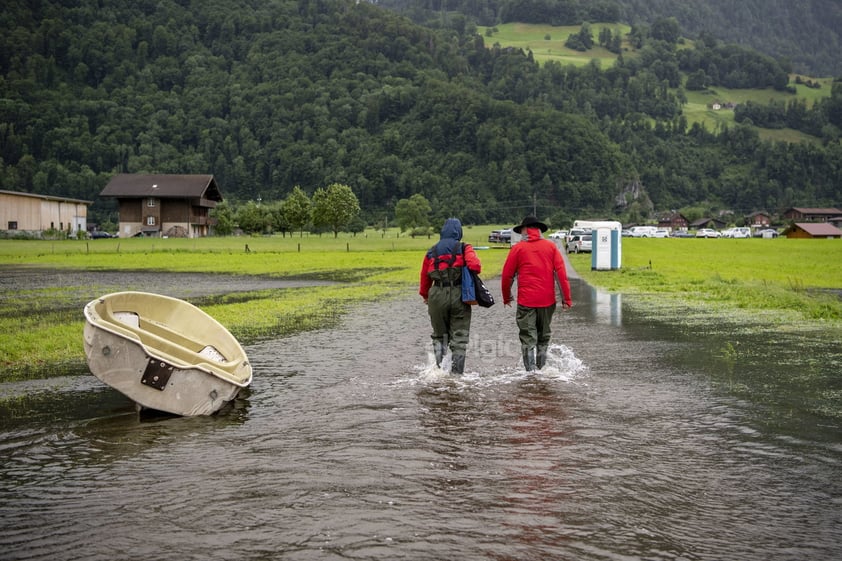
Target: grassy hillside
(699, 107)
(547, 44)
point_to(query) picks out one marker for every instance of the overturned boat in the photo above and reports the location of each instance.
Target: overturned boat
(163, 353)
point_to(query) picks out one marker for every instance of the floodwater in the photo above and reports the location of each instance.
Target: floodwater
(645, 438)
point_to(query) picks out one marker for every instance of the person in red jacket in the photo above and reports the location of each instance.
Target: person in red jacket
(537, 263)
(441, 289)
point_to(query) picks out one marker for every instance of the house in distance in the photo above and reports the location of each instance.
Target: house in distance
(175, 206)
(33, 214)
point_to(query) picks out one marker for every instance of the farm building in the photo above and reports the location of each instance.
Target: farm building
(673, 221)
(813, 230)
(802, 214)
(760, 219)
(714, 223)
(35, 214)
(164, 205)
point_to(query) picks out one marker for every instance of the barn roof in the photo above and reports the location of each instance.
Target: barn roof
(46, 197)
(130, 185)
(806, 210)
(818, 229)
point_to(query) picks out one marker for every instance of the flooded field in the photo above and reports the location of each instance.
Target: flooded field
(646, 437)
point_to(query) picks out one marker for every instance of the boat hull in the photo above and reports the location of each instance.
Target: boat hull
(157, 372)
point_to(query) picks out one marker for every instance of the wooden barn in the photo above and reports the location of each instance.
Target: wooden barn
(813, 230)
(803, 214)
(175, 206)
(673, 221)
(758, 220)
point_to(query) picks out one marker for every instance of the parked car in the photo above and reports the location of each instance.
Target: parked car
(579, 243)
(97, 234)
(707, 233)
(558, 235)
(500, 236)
(681, 234)
(741, 232)
(643, 231)
(767, 233)
(661, 233)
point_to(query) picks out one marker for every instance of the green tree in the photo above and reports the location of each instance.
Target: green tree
(253, 218)
(413, 212)
(297, 208)
(697, 80)
(666, 29)
(278, 217)
(225, 220)
(334, 207)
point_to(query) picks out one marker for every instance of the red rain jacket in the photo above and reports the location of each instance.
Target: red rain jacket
(536, 262)
(470, 256)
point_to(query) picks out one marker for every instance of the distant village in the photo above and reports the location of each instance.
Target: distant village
(179, 206)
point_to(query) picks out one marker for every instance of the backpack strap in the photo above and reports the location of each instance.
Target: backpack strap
(448, 260)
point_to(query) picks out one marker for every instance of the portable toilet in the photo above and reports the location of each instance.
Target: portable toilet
(606, 243)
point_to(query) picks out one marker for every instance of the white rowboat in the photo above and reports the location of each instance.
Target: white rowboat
(164, 353)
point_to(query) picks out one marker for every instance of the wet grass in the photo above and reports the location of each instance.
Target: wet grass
(768, 312)
(41, 328)
(802, 276)
(786, 282)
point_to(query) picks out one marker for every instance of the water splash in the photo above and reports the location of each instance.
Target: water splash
(562, 366)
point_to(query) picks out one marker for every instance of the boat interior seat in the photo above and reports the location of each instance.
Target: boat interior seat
(175, 347)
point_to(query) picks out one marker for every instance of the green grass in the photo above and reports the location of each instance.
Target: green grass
(779, 275)
(47, 339)
(532, 37)
(796, 276)
(698, 110)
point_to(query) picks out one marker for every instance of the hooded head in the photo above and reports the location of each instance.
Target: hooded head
(451, 234)
(452, 229)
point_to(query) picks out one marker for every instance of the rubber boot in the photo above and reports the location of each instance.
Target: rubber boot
(529, 359)
(541, 357)
(438, 350)
(457, 364)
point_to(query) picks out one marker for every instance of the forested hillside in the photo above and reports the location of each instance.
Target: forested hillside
(808, 33)
(268, 95)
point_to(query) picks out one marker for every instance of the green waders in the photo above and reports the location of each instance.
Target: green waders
(450, 317)
(534, 331)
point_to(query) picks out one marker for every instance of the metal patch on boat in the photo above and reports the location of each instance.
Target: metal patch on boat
(157, 374)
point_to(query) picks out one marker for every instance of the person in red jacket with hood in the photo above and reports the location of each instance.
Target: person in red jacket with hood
(441, 289)
(536, 263)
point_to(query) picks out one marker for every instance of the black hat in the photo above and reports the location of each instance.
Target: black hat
(530, 221)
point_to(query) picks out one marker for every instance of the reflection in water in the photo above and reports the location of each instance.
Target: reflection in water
(350, 443)
(538, 466)
(607, 308)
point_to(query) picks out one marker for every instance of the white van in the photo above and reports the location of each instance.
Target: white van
(643, 231)
(740, 232)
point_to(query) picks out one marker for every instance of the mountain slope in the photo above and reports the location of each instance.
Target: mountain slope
(270, 95)
(806, 32)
